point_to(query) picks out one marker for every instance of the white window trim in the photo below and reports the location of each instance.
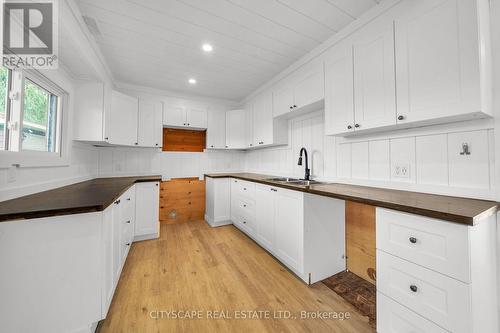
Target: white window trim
(30, 159)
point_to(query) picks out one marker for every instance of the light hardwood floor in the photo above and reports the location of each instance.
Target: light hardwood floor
(196, 267)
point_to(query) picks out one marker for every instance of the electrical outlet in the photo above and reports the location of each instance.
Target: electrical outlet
(401, 170)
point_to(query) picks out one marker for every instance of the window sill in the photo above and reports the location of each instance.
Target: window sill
(31, 159)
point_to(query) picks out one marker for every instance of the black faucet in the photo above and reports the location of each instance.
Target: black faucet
(308, 171)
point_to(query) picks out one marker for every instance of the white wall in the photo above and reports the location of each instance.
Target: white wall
(82, 159)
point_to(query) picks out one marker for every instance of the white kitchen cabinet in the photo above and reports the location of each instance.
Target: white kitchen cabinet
(374, 76)
(147, 203)
(266, 130)
(149, 131)
(235, 129)
(264, 216)
(289, 227)
(339, 90)
(249, 126)
(301, 90)
(122, 127)
(185, 117)
(218, 201)
(216, 129)
(439, 54)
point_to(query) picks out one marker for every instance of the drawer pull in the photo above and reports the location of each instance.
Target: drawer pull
(414, 288)
(128, 199)
(244, 205)
(244, 222)
(117, 202)
(413, 240)
(128, 222)
(244, 189)
(128, 244)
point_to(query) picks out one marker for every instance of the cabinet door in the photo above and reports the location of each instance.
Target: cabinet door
(235, 129)
(216, 130)
(149, 131)
(309, 86)
(197, 118)
(108, 279)
(437, 59)
(264, 215)
(117, 230)
(122, 124)
(174, 116)
(263, 120)
(249, 126)
(147, 208)
(289, 226)
(374, 76)
(339, 92)
(282, 100)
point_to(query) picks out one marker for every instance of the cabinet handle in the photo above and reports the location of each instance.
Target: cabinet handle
(128, 222)
(414, 288)
(251, 145)
(244, 188)
(357, 125)
(244, 222)
(188, 124)
(106, 138)
(128, 244)
(295, 106)
(128, 199)
(349, 127)
(156, 144)
(117, 202)
(413, 240)
(274, 190)
(291, 107)
(244, 205)
(401, 117)
(136, 143)
(156, 184)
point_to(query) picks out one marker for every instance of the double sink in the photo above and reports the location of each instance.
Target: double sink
(294, 181)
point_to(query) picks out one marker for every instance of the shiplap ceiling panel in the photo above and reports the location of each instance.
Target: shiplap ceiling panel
(157, 43)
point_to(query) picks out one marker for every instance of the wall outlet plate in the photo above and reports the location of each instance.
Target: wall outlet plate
(401, 170)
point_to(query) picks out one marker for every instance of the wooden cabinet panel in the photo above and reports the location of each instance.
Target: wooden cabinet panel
(182, 200)
(183, 140)
(360, 240)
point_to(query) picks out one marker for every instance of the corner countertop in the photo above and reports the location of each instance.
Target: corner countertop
(453, 209)
(85, 197)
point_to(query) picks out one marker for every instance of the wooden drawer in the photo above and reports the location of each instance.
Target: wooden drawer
(438, 245)
(436, 297)
(392, 317)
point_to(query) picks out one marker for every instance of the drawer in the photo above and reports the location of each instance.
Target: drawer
(392, 317)
(438, 245)
(436, 297)
(243, 188)
(245, 224)
(244, 207)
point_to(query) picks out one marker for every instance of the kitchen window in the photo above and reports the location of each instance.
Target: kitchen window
(31, 114)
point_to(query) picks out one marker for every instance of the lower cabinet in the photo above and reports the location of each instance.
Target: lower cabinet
(304, 232)
(147, 225)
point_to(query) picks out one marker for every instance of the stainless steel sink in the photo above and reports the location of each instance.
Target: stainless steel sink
(294, 181)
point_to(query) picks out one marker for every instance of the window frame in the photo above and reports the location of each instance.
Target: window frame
(17, 157)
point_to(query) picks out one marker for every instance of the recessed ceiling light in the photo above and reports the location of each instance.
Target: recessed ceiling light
(192, 81)
(207, 47)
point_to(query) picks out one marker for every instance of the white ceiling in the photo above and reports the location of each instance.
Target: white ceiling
(157, 43)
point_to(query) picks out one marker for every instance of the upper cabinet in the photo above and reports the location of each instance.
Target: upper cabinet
(149, 130)
(235, 129)
(422, 63)
(266, 130)
(184, 117)
(437, 60)
(304, 90)
(249, 126)
(107, 117)
(216, 129)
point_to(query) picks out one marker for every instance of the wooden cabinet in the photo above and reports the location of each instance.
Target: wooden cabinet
(147, 220)
(121, 129)
(182, 199)
(438, 69)
(149, 131)
(302, 89)
(182, 116)
(235, 129)
(216, 130)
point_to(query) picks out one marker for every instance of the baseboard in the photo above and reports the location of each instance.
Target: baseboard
(146, 237)
(215, 224)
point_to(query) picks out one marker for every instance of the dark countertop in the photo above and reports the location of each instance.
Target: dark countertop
(89, 196)
(453, 209)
